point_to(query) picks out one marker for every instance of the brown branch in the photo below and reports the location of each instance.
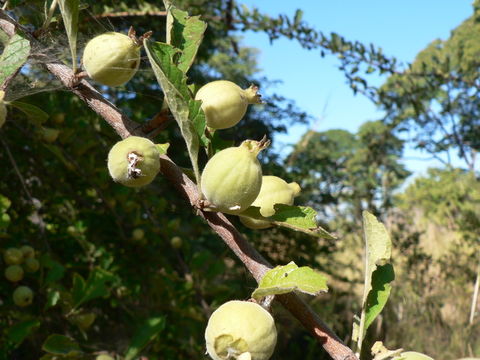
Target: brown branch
(254, 262)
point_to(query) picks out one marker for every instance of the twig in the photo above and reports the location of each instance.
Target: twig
(254, 262)
(475, 295)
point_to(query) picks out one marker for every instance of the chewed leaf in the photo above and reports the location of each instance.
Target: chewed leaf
(177, 95)
(186, 35)
(298, 218)
(288, 278)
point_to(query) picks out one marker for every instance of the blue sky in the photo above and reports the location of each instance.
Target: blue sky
(400, 28)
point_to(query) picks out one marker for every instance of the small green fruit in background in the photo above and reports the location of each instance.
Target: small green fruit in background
(134, 161)
(31, 265)
(23, 296)
(112, 58)
(240, 327)
(274, 191)
(14, 273)
(84, 321)
(27, 251)
(225, 103)
(58, 118)
(49, 135)
(13, 256)
(3, 109)
(176, 242)
(232, 178)
(138, 234)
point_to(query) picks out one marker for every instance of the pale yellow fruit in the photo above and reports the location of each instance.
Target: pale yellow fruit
(134, 161)
(84, 321)
(14, 273)
(49, 135)
(274, 190)
(232, 178)
(23, 296)
(225, 103)
(238, 328)
(176, 242)
(412, 355)
(112, 58)
(104, 357)
(13, 256)
(31, 265)
(138, 234)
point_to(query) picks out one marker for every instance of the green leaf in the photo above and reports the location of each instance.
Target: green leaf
(378, 296)
(53, 296)
(288, 278)
(412, 355)
(144, 335)
(18, 332)
(94, 287)
(186, 35)
(162, 148)
(298, 218)
(69, 10)
(378, 245)
(185, 110)
(14, 55)
(55, 272)
(36, 115)
(377, 288)
(61, 345)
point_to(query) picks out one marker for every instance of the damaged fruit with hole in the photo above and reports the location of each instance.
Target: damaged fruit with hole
(240, 330)
(134, 161)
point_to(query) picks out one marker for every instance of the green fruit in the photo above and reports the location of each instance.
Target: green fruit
(134, 161)
(225, 103)
(240, 327)
(49, 135)
(84, 321)
(23, 296)
(274, 191)
(13, 256)
(232, 178)
(14, 273)
(58, 118)
(31, 265)
(138, 234)
(3, 109)
(112, 58)
(27, 251)
(176, 242)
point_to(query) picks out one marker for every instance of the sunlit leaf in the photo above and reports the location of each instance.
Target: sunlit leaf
(288, 278)
(14, 55)
(69, 9)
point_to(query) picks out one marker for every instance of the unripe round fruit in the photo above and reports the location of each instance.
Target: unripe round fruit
(274, 191)
(23, 296)
(176, 242)
(27, 251)
(13, 256)
(14, 273)
(225, 103)
(84, 321)
(49, 135)
(31, 265)
(239, 327)
(58, 118)
(232, 178)
(111, 58)
(3, 109)
(138, 234)
(134, 161)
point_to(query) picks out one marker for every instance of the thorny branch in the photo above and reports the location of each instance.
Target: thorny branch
(250, 257)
